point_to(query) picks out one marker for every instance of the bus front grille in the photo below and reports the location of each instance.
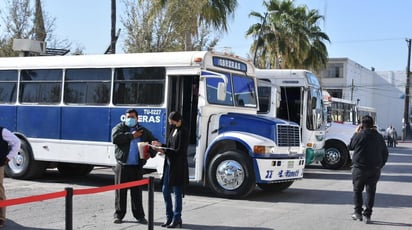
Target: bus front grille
(288, 135)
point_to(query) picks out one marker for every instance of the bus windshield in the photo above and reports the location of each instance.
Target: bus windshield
(240, 91)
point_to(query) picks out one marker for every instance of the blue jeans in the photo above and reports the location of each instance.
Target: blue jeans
(176, 213)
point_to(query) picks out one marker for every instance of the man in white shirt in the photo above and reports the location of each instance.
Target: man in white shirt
(9, 148)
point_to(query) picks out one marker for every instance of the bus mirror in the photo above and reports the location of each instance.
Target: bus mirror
(221, 91)
(313, 102)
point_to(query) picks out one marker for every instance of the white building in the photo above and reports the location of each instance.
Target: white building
(383, 90)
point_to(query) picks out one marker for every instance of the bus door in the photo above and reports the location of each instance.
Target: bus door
(183, 97)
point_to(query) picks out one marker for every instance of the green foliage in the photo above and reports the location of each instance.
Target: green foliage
(175, 25)
(290, 38)
(22, 21)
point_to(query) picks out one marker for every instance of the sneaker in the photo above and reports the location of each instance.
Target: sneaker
(142, 220)
(357, 216)
(367, 219)
(117, 221)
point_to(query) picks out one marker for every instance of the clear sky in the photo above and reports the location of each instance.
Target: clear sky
(369, 32)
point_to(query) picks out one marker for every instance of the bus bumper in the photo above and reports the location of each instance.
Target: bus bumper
(314, 155)
(272, 170)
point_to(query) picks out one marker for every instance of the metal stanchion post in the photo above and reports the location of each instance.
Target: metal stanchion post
(151, 202)
(69, 208)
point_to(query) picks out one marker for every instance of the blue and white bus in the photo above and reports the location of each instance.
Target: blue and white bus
(64, 107)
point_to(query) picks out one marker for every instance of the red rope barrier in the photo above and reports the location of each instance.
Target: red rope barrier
(54, 195)
(110, 187)
(29, 199)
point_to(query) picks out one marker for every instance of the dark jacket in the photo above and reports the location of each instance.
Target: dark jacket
(179, 171)
(4, 148)
(370, 150)
(121, 137)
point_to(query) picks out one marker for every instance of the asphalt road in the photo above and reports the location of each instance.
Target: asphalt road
(322, 200)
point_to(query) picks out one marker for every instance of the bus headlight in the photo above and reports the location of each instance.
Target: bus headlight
(262, 149)
(320, 137)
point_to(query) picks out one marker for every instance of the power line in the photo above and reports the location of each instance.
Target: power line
(368, 40)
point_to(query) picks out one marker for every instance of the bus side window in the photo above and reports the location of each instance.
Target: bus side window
(41, 86)
(8, 86)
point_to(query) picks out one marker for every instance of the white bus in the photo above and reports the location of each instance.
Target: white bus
(295, 95)
(64, 107)
(343, 116)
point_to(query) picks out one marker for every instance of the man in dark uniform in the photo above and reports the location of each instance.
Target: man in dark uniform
(126, 135)
(370, 155)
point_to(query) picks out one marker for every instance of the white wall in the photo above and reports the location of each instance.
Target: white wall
(381, 90)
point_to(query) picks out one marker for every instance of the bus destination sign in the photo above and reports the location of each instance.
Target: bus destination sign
(229, 64)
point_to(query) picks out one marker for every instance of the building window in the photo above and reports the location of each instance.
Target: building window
(335, 93)
(334, 70)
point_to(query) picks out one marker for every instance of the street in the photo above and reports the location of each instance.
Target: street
(322, 200)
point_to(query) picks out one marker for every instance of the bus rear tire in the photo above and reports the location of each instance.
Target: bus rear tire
(275, 187)
(23, 166)
(336, 156)
(69, 169)
(231, 175)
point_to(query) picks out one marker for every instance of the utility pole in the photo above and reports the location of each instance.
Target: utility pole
(352, 87)
(407, 126)
(113, 28)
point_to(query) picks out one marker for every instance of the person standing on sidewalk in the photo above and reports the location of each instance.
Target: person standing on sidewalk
(370, 155)
(175, 171)
(9, 148)
(126, 135)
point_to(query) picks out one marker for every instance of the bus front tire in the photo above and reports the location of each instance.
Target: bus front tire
(231, 175)
(336, 156)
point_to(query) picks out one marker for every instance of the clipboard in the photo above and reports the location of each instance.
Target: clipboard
(160, 147)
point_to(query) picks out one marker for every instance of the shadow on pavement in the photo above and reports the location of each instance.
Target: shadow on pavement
(10, 224)
(393, 224)
(217, 227)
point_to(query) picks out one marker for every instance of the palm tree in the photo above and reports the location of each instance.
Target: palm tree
(194, 14)
(290, 38)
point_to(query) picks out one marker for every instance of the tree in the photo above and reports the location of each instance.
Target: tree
(195, 16)
(290, 38)
(151, 28)
(175, 25)
(17, 25)
(23, 22)
(146, 31)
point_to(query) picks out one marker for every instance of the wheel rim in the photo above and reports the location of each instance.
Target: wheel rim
(230, 174)
(332, 156)
(19, 163)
